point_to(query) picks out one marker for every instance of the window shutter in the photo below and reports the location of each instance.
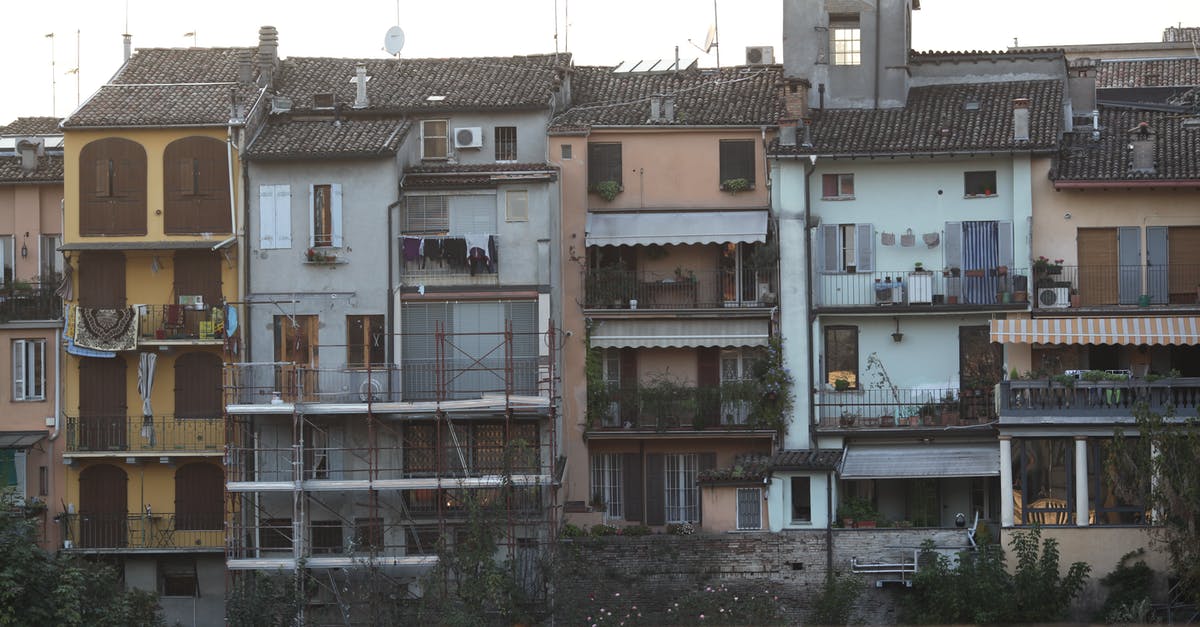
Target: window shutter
(829, 185)
(952, 245)
(102, 177)
(656, 510)
(1129, 260)
(18, 365)
(708, 371)
(831, 249)
(864, 247)
(312, 216)
(37, 369)
(1004, 240)
(266, 217)
(283, 216)
(472, 215)
(631, 471)
(1156, 264)
(705, 461)
(335, 212)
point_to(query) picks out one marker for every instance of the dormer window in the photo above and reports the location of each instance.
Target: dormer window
(322, 101)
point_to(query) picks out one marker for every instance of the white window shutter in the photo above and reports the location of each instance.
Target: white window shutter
(266, 217)
(831, 250)
(283, 216)
(312, 216)
(1004, 236)
(335, 213)
(18, 366)
(952, 245)
(864, 247)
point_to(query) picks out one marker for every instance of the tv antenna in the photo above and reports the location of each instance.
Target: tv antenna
(393, 41)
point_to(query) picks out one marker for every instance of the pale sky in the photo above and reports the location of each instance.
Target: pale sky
(600, 32)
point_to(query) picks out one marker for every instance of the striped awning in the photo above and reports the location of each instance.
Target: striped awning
(676, 227)
(680, 333)
(911, 461)
(1152, 330)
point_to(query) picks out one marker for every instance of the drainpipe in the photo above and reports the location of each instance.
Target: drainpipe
(233, 222)
(809, 317)
(829, 525)
(878, 56)
(390, 349)
(244, 268)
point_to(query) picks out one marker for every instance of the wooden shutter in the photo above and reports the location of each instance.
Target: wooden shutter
(112, 188)
(199, 497)
(864, 247)
(705, 461)
(1097, 251)
(708, 385)
(198, 272)
(19, 347)
(102, 409)
(266, 217)
(631, 477)
(829, 242)
(283, 216)
(102, 280)
(1183, 259)
(952, 245)
(627, 396)
(335, 213)
(1129, 247)
(656, 485)
(103, 507)
(1157, 256)
(312, 216)
(198, 386)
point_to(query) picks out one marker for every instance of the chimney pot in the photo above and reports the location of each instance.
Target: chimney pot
(128, 44)
(1021, 119)
(360, 83)
(268, 54)
(245, 66)
(787, 132)
(795, 97)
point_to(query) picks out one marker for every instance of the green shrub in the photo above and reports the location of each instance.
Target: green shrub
(635, 530)
(572, 531)
(835, 603)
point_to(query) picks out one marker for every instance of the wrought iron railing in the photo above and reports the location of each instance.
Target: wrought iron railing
(1058, 286)
(180, 322)
(886, 288)
(682, 289)
(151, 531)
(153, 434)
(30, 301)
(675, 406)
(1065, 396)
(904, 407)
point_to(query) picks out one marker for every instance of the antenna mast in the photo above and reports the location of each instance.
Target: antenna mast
(717, 36)
(53, 78)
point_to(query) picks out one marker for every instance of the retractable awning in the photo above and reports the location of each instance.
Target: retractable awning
(920, 461)
(676, 227)
(1152, 330)
(680, 333)
(20, 439)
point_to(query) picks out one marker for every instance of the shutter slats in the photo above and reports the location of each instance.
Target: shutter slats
(829, 241)
(656, 511)
(266, 217)
(864, 247)
(336, 215)
(632, 479)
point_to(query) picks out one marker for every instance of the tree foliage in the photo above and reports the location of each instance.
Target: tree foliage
(835, 604)
(979, 589)
(1158, 468)
(264, 600)
(39, 588)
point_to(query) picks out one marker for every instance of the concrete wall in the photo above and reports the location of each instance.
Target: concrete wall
(790, 207)
(207, 608)
(531, 136)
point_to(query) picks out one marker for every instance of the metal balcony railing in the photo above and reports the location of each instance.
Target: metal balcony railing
(139, 434)
(1058, 286)
(153, 531)
(889, 288)
(30, 301)
(180, 322)
(904, 407)
(682, 289)
(1105, 399)
(360, 537)
(673, 406)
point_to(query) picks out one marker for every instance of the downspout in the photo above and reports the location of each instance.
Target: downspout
(809, 317)
(390, 353)
(878, 54)
(244, 284)
(829, 525)
(234, 234)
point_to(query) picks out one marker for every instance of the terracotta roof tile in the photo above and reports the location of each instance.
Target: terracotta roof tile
(717, 97)
(936, 120)
(32, 126)
(1177, 149)
(157, 66)
(1118, 73)
(816, 459)
(476, 175)
(310, 139)
(49, 170)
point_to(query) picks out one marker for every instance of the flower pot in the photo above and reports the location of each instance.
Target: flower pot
(887, 421)
(865, 524)
(1075, 301)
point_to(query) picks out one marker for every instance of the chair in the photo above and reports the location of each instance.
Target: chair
(1038, 514)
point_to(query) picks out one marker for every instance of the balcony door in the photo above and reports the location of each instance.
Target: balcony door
(103, 507)
(296, 346)
(102, 408)
(980, 368)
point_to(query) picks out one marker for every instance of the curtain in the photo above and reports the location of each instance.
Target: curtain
(981, 256)
(146, 362)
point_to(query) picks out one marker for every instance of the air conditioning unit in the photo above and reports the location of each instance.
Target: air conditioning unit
(760, 55)
(469, 137)
(1054, 297)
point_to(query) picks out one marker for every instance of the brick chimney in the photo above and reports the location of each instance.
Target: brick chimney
(1020, 119)
(268, 54)
(795, 97)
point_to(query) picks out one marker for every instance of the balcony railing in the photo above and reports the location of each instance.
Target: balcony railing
(447, 256)
(684, 289)
(904, 408)
(138, 434)
(180, 322)
(672, 406)
(889, 288)
(1105, 399)
(155, 531)
(1057, 286)
(24, 301)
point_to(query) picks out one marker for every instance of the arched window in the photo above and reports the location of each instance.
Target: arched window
(199, 497)
(198, 386)
(196, 186)
(112, 188)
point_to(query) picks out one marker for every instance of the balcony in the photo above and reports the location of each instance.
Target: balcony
(145, 532)
(181, 324)
(444, 259)
(1056, 286)
(921, 291)
(26, 301)
(903, 408)
(1106, 400)
(153, 436)
(670, 406)
(683, 289)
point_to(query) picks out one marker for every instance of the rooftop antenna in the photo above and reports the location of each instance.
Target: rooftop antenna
(53, 78)
(75, 70)
(716, 42)
(191, 34)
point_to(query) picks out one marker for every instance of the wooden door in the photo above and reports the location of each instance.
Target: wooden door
(296, 342)
(1098, 255)
(980, 367)
(103, 507)
(102, 280)
(199, 497)
(103, 419)
(198, 386)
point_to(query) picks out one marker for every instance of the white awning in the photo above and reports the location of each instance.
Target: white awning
(1131, 330)
(680, 333)
(919, 461)
(676, 227)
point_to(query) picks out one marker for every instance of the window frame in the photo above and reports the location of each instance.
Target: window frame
(845, 40)
(168, 581)
(828, 340)
(734, 165)
(325, 215)
(372, 327)
(1020, 474)
(738, 513)
(680, 482)
(50, 260)
(982, 180)
(443, 140)
(21, 387)
(505, 143)
(839, 180)
(608, 476)
(516, 216)
(8, 260)
(605, 167)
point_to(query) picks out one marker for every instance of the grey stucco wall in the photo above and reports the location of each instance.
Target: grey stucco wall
(207, 608)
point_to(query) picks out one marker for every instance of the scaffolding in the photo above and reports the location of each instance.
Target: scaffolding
(353, 476)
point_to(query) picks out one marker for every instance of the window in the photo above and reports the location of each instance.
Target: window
(274, 217)
(606, 483)
(846, 248)
(1043, 481)
(326, 537)
(604, 164)
(841, 355)
(29, 370)
(682, 493)
(737, 160)
(196, 186)
(981, 183)
(736, 367)
(516, 206)
(323, 101)
(276, 533)
(198, 386)
(177, 577)
(566, 151)
(7, 244)
(43, 480)
(837, 186)
(847, 39)
(506, 143)
(435, 139)
(366, 339)
(1107, 507)
(325, 212)
(368, 534)
(112, 188)
(50, 260)
(199, 497)
(421, 540)
(801, 499)
(426, 214)
(749, 508)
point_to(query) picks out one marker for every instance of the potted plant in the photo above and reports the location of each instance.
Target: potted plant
(608, 189)
(841, 385)
(735, 185)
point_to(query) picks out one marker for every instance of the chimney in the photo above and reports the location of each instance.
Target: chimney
(360, 84)
(669, 108)
(1141, 146)
(268, 54)
(30, 150)
(662, 108)
(1021, 119)
(787, 132)
(245, 61)
(795, 97)
(128, 39)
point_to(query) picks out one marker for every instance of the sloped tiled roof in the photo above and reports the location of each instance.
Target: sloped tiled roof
(1126, 73)
(49, 170)
(157, 66)
(935, 120)
(475, 175)
(1176, 154)
(469, 83)
(816, 459)
(732, 96)
(32, 126)
(309, 139)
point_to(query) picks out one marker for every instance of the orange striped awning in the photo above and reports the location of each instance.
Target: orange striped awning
(1088, 330)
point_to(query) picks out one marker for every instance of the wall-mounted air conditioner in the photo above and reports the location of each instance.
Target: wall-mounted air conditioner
(760, 55)
(468, 137)
(1054, 297)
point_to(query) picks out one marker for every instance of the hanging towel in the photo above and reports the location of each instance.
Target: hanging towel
(477, 241)
(493, 260)
(230, 320)
(412, 248)
(69, 332)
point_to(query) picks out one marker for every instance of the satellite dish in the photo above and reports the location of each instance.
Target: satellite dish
(710, 39)
(393, 41)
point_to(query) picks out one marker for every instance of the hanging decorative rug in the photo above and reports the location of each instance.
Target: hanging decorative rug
(106, 329)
